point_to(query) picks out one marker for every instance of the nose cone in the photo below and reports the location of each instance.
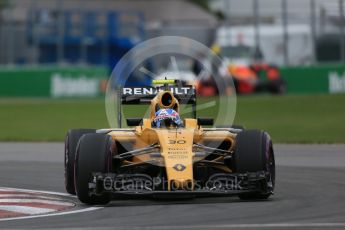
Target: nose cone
(176, 149)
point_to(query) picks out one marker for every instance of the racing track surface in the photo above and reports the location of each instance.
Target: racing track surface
(310, 194)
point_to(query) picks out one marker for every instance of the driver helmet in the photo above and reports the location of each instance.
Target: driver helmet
(167, 118)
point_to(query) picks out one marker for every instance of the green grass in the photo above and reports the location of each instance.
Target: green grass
(299, 119)
(48, 120)
(289, 119)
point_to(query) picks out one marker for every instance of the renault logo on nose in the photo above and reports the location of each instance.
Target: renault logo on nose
(179, 167)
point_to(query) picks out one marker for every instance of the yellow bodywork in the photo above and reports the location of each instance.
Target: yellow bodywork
(175, 144)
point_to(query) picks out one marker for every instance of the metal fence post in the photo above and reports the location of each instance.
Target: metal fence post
(105, 40)
(256, 23)
(256, 26)
(10, 36)
(227, 5)
(313, 29)
(342, 32)
(84, 39)
(61, 32)
(106, 46)
(285, 31)
(35, 33)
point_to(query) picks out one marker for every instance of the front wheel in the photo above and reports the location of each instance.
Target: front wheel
(254, 153)
(94, 154)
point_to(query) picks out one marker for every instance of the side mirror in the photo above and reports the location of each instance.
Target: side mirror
(205, 121)
(134, 121)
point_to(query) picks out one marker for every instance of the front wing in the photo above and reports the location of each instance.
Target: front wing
(219, 184)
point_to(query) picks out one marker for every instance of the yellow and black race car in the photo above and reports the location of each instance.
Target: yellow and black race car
(166, 156)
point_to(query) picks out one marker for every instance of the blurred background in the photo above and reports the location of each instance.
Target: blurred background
(68, 48)
(88, 37)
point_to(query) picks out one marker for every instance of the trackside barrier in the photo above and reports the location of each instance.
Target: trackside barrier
(53, 82)
(57, 82)
(315, 79)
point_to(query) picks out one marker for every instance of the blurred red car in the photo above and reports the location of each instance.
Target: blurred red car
(257, 78)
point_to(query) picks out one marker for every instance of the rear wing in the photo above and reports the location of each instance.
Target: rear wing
(144, 95)
(185, 94)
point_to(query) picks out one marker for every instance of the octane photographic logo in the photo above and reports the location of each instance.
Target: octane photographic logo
(111, 183)
(167, 57)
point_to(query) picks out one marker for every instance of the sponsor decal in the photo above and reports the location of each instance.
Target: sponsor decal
(336, 82)
(153, 91)
(68, 86)
(179, 167)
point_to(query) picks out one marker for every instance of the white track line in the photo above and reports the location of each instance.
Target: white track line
(36, 201)
(26, 210)
(54, 214)
(225, 226)
(255, 226)
(33, 196)
(35, 191)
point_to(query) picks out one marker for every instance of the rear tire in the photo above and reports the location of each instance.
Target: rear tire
(94, 154)
(254, 152)
(277, 87)
(71, 142)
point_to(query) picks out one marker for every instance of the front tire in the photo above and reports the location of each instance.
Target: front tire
(71, 142)
(254, 152)
(94, 154)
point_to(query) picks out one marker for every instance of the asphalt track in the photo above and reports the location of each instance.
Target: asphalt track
(310, 194)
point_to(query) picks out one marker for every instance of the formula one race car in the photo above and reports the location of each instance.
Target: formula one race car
(257, 78)
(166, 156)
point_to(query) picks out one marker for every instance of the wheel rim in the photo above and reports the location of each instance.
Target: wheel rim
(271, 169)
(66, 159)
